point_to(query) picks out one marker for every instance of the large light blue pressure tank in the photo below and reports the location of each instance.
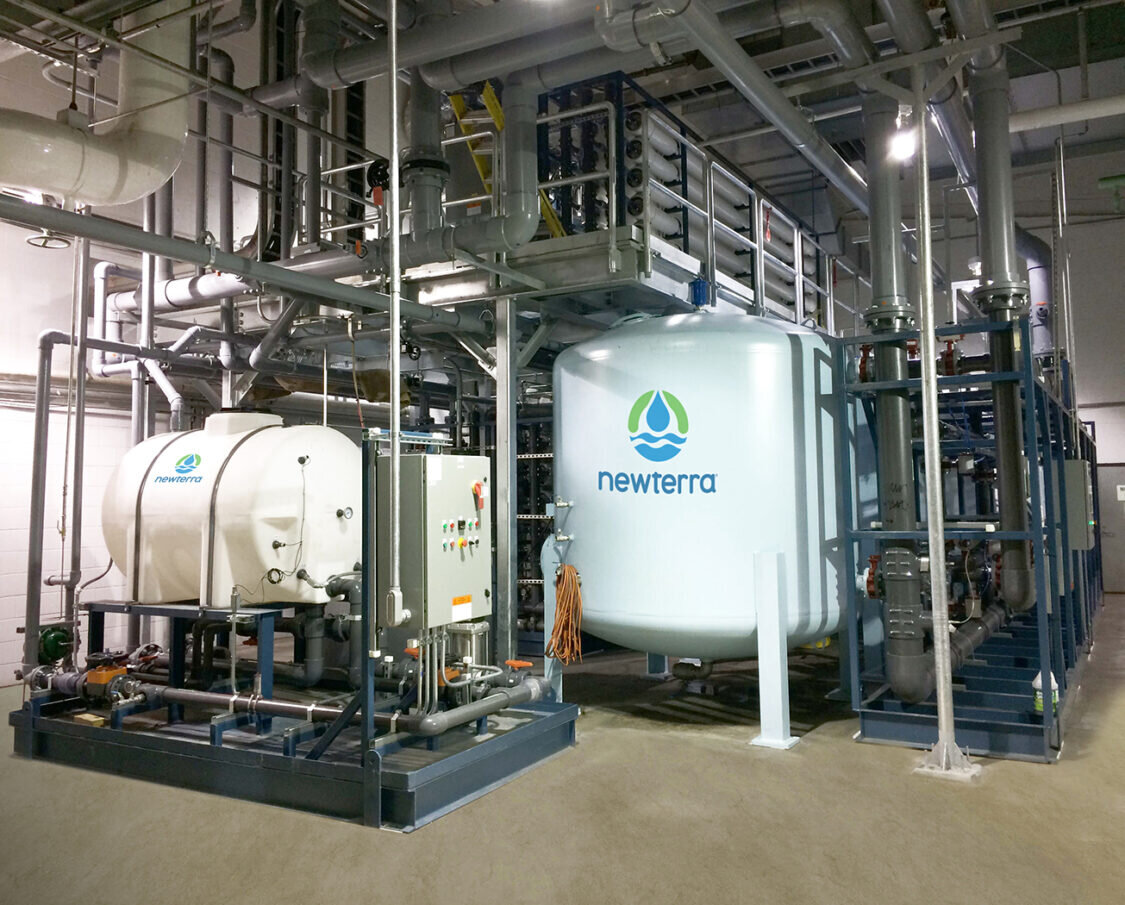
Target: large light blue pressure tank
(687, 445)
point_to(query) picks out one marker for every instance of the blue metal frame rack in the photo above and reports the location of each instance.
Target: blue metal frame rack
(994, 701)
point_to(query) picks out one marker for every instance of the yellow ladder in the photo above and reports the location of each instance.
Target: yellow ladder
(483, 162)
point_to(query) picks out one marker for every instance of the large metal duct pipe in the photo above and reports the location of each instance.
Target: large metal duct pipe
(138, 154)
(1002, 294)
(907, 661)
(913, 33)
(473, 30)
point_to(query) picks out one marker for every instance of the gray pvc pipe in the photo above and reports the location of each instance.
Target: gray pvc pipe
(1002, 293)
(913, 32)
(532, 688)
(175, 397)
(424, 184)
(114, 233)
(912, 677)
(727, 55)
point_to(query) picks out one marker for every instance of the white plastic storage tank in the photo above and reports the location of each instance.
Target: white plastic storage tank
(286, 499)
(688, 444)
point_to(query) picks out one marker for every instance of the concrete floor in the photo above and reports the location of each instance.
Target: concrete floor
(661, 801)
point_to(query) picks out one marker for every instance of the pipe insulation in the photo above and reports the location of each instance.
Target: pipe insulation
(137, 154)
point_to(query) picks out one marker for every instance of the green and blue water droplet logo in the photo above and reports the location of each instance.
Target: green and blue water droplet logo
(189, 463)
(658, 426)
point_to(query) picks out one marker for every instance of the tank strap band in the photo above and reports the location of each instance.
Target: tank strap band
(208, 591)
(136, 590)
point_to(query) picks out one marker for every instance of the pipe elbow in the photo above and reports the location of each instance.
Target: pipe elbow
(911, 676)
(48, 339)
(1018, 588)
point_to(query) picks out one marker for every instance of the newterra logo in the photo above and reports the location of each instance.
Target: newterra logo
(184, 468)
(658, 428)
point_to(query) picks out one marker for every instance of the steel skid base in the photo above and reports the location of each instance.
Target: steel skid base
(406, 783)
(993, 703)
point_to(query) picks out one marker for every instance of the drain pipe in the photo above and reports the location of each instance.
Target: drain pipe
(352, 590)
(101, 364)
(175, 397)
(1002, 294)
(141, 150)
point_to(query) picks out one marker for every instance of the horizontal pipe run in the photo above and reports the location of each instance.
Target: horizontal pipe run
(269, 275)
(532, 688)
(1062, 114)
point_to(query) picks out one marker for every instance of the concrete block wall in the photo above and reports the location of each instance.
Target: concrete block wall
(107, 438)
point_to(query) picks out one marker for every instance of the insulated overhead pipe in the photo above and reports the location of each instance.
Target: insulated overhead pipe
(140, 151)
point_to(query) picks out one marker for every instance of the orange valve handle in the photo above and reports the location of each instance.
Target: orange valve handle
(411, 652)
(519, 664)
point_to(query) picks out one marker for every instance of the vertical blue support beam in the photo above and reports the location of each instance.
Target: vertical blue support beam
(1051, 534)
(1070, 615)
(1031, 445)
(265, 665)
(848, 521)
(176, 665)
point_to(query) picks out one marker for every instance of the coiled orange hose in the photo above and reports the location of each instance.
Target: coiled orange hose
(566, 636)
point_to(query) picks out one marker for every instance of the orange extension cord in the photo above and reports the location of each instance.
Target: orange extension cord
(566, 637)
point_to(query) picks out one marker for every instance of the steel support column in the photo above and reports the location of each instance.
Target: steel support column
(507, 603)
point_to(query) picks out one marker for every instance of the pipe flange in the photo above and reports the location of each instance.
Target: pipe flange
(1003, 295)
(425, 163)
(892, 313)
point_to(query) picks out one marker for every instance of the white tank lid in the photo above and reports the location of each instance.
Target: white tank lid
(238, 422)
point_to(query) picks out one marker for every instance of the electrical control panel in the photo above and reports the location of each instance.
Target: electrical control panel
(1079, 505)
(446, 537)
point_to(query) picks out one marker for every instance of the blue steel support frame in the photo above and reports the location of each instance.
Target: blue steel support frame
(993, 700)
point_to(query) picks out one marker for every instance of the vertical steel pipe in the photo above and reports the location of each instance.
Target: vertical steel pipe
(892, 311)
(81, 299)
